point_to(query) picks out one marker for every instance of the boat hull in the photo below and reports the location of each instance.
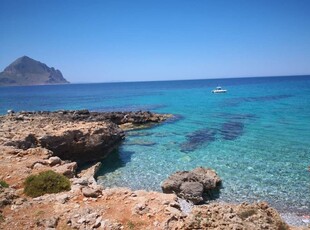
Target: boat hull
(219, 91)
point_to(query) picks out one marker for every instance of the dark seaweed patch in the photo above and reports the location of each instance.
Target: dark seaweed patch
(231, 130)
(237, 101)
(237, 117)
(138, 133)
(197, 138)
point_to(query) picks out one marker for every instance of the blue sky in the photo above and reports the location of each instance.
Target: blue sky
(122, 40)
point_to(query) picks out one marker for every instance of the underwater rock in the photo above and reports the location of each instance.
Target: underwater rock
(238, 101)
(236, 117)
(141, 143)
(197, 138)
(231, 130)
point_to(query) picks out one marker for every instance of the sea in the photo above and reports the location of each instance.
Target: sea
(256, 136)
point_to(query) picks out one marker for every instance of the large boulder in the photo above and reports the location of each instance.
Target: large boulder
(192, 185)
(83, 142)
(68, 169)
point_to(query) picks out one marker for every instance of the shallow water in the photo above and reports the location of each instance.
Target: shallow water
(256, 136)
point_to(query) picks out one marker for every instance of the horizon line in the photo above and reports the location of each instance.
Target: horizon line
(195, 79)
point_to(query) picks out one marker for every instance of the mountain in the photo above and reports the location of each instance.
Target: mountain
(26, 71)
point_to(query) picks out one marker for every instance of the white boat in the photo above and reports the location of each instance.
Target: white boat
(219, 90)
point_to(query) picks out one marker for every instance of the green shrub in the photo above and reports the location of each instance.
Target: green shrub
(3, 184)
(46, 182)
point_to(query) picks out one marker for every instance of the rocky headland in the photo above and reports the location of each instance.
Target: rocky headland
(27, 71)
(62, 141)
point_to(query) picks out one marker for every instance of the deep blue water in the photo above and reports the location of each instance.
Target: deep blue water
(257, 136)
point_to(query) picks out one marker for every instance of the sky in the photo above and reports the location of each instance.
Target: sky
(147, 40)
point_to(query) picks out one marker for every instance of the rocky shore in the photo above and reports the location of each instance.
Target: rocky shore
(62, 141)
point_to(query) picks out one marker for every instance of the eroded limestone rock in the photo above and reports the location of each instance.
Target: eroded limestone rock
(191, 185)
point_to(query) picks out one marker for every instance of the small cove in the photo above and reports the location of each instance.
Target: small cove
(256, 136)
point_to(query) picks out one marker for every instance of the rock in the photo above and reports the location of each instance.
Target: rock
(81, 221)
(85, 142)
(68, 169)
(230, 216)
(38, 166)
(192, 191)
(91, 218)
(191, 185)
(140, 209)
(20, 201)
(80, 181)
(90, 173)
(81, 136)
(54, 161)
(52, 222)
(185, 206)
(209, 177)
(173, 211)
(63, 198)
(7, 195)
(97, 223)
(89, 192)
(29, 141)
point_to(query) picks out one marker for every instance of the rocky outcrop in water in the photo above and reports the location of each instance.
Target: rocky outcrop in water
(80, 136)
(192, 185)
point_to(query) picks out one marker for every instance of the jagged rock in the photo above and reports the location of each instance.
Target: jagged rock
(90, 173)
(192, 191)
(229, 216)
(68, 169)
(191, 185)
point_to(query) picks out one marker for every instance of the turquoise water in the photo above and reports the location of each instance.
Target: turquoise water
(257, 136)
